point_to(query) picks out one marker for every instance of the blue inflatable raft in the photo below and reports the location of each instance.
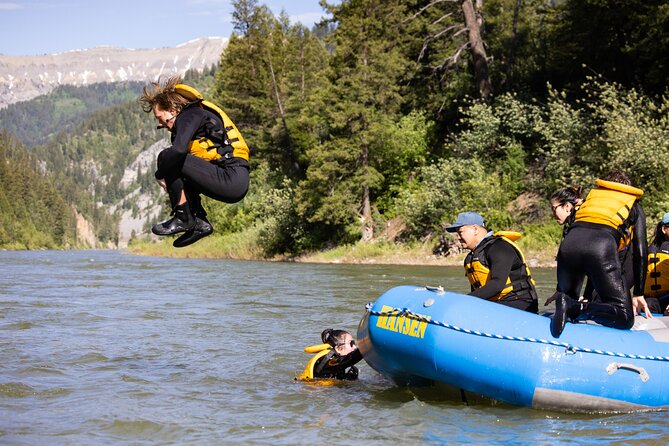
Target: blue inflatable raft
(416, 335)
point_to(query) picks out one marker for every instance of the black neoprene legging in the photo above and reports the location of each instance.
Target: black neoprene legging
(227, 181)
(592, 252)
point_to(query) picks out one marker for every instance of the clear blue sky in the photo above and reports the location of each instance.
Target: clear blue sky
(29, 27)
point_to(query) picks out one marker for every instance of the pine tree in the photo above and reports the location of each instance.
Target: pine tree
(364, 98)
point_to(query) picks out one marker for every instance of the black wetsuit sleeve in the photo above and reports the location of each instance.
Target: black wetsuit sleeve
(639, 249)
(501, 256)
(186, 125)
(335, 366)
(346, 361)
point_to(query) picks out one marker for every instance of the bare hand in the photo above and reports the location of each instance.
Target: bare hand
(162, 184)
(639, 304)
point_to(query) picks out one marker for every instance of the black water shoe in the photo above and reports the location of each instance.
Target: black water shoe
(182, 221)
(566, 308)
(201, 229)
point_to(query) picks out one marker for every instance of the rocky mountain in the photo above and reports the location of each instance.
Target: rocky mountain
(25, 77)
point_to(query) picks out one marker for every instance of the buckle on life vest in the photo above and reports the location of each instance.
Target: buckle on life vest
(226, 154)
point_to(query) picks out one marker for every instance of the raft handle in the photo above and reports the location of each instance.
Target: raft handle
(615, 366)
(435, 289)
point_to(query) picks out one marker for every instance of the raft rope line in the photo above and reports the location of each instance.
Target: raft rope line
(570, 348)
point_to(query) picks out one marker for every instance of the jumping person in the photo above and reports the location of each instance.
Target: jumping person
(610, 211)
(208, 156)
(495, 266)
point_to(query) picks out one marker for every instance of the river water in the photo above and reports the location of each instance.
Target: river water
(103, 347)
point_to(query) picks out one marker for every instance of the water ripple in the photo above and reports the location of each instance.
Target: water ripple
(109, 348)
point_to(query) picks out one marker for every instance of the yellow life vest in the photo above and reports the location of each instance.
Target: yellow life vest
(205, 147)
(609, 204)
(478, 272)
(320, 350)
(657, 279)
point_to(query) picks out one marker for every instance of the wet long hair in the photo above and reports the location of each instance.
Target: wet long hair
(333, 337)
(567, 195)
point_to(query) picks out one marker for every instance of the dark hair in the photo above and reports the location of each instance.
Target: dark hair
(567, 195)
(618, 176)
(659, 236)
(333, 337)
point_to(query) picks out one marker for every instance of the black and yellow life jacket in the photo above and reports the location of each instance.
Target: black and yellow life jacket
(477, 267)
(610, 204)
(319, 351)
(328, 364)
(216, 143)
(657, 278)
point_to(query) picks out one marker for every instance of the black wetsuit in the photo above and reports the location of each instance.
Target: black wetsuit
(504, 263)
(226, 180)
(591, 249)
(627, 264)
(337, 366)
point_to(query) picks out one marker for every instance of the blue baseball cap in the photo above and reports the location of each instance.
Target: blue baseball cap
(465, 219)
(665, 219)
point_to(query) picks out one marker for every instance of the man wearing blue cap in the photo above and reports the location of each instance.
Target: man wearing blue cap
(495, 266)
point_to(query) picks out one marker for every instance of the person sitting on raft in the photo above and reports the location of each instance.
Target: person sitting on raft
(334, 358)
(656, 290)
(496, 267)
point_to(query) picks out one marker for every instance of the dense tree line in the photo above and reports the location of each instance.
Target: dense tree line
(418, 109)
(35, 122)
(32, 212)
(403, 111)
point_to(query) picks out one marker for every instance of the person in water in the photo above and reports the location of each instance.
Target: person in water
(208, 156)
(590, 249)
(334, 358)
(656, 290)
(495, 266)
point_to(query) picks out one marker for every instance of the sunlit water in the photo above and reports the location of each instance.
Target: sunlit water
(102, 347)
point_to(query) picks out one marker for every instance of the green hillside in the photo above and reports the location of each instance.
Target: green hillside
(88, 137)
(36, 121)
(33, 214)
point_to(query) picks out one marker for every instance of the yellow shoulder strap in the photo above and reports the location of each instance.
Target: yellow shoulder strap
(619, 187)
(317, 348)
(188, 92)
(511, 235)
(309, 369)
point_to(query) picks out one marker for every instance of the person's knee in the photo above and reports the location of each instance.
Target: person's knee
(628, 321)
